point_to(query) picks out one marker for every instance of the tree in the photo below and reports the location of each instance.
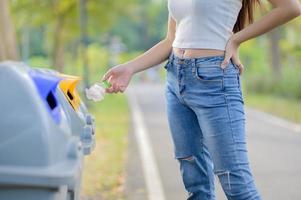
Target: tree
(8, 47)
(59, 37)
(275, 52)
(61, 21)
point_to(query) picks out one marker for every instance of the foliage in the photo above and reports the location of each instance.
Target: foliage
(258, 77)
(57, 23)
(145, 27)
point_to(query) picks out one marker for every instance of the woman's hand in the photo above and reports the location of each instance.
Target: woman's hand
(232, 53)
(119, 77)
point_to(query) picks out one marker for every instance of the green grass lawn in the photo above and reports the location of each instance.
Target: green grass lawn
(104, 169)
(280, 106)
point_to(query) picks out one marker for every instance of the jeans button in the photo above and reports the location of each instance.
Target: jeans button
(181, 61)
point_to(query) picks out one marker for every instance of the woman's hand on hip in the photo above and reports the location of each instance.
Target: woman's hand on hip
(231, 52)
(119, 77)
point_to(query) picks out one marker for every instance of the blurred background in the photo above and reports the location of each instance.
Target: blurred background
(87, 37)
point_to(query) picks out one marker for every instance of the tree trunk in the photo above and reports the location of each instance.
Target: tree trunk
(2, 48)
(59, 45)
(8, 47)
(275, 52)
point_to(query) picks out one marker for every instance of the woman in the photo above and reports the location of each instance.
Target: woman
(203, 88)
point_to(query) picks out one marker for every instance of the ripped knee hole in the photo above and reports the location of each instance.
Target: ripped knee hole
(188, 158)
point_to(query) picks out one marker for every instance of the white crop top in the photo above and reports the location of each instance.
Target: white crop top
(206, 24)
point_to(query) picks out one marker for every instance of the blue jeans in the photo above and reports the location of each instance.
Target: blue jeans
(206, 118)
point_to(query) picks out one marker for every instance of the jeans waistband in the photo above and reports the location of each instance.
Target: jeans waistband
(199, 60)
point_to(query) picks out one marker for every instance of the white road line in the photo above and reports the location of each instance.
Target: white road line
(150, 169)
(274, 120)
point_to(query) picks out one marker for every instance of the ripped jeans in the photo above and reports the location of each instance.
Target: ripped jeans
(207, 123)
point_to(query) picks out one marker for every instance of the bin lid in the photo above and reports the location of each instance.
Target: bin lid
(46, 85)
(68, 86)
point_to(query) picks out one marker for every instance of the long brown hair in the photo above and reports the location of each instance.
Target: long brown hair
(246, 14)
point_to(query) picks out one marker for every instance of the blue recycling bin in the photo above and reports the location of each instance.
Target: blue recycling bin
(40, 156)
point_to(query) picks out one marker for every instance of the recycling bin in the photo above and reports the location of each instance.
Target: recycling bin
(40, 157)
(82, 123)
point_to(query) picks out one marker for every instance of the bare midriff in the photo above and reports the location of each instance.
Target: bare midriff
(197, 53)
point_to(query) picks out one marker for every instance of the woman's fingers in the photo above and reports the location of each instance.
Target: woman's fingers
(226, 60)
(237, 62)
(122, 88)
(115, 88)
(241, 68)
(109, 90)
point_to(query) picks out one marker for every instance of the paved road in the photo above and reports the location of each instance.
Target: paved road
(274, 150)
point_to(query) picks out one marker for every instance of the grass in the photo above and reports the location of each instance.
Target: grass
(281, 106)
(103, 174)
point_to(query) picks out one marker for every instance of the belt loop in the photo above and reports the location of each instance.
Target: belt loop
(193, 63)
(181, 61)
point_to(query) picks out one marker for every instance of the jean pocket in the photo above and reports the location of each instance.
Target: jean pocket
(212, 74)
(235, 66)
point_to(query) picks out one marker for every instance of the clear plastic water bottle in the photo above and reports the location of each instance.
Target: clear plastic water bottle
(97, 91)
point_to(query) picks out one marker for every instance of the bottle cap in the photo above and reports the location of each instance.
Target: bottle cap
(106, 84)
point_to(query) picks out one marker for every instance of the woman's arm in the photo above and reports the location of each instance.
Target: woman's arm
(120, 75)
(283, 11)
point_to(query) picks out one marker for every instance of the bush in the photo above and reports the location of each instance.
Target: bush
(288, 86)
